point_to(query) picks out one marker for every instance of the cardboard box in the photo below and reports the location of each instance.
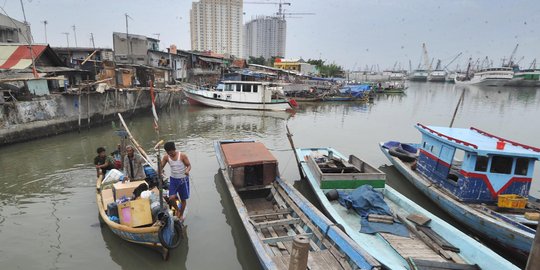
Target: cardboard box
(135, 213)
(125, 189)
(107, 197)
(532, 216)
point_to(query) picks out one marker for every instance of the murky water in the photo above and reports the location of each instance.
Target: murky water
(48, 214)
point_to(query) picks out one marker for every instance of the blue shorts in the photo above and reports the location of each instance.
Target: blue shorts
(180, 187)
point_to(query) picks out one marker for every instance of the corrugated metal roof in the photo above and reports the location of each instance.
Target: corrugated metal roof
(248, 153)
(19, 56)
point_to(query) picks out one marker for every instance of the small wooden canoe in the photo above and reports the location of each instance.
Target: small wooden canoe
(326, 169)
(146, 236)
(273, 213)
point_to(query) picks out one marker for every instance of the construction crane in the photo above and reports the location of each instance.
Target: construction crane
(452, 61)
(280, 5)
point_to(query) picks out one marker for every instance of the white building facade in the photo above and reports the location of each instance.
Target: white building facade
(216, 25)
(265, 36)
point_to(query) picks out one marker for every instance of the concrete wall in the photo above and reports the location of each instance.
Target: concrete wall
(55, 114)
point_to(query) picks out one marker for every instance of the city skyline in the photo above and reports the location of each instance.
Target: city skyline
(349, 33)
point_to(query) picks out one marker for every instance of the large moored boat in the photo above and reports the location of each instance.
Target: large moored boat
(249, 95)
(489, 77)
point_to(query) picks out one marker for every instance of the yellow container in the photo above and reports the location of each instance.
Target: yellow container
(511, 201)
(135, 213)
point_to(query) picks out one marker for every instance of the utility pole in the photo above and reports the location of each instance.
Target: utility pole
(29, 40)
(45, 26)
(127, 38)
(92, 39)
(75, 35)
(67, 38)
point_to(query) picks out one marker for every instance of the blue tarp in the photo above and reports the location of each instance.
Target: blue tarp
(365, 200)
(356, 90)
(407, 147)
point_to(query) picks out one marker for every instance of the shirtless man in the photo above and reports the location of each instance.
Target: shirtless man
(179, 180)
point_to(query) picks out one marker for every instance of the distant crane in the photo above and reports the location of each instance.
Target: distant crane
(511, 58)
(533, 64)
(452, 61)
(426, 57)
(280, 5)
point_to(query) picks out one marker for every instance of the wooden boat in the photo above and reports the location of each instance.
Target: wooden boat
(436, 243)
(273, 213)
(246, 95)
(470, 174)
(147, 236)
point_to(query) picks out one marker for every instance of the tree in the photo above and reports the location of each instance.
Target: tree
(257, 60)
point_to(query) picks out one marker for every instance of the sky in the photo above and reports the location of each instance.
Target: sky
(350, 33)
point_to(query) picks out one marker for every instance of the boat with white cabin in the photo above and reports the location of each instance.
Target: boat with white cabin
(488, 77)
(248, 95)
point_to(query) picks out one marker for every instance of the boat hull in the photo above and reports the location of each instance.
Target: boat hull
(146, 236)
(511, 239)
(197, 99)
(280, 190)
(474, 252)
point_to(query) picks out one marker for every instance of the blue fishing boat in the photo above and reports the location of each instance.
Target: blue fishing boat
(273, 213)
(404, 236)
(480, 179)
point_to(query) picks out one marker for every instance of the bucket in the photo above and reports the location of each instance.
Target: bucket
(500, 145)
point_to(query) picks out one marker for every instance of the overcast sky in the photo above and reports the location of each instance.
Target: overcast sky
(352, 33)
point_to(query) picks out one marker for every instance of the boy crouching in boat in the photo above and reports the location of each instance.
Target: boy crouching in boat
(179, 180)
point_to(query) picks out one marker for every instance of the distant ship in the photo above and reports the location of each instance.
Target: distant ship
(437, 76)
(488, 77)
(419, 75)
(526, 77)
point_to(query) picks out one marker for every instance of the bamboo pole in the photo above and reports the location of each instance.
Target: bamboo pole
(534, 256)
(135, 143)
(291, 142)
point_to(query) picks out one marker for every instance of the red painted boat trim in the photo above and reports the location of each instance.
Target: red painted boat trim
(528, 147)
(488, 183)
(438, 160)
(483, 177)
(447, 137)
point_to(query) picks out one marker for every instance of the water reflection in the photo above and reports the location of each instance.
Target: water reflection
(244, 250)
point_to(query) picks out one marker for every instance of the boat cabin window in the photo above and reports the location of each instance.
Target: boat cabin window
(255, 88)
(238, 87)
(522, 166)
(253, 175)
(246, 88)
(501, 164)
(229, 87)
(481, 164)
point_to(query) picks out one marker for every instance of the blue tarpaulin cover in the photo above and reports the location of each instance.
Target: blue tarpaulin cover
(365, 200)
(355, 89)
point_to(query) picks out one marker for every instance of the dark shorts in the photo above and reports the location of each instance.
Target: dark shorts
(179, 186)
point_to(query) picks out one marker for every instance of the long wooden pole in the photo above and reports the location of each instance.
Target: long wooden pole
(135, 143)
(457, 106)
(533, 262)
(289, 136)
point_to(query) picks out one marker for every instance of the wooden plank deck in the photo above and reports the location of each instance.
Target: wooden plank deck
(412, 247)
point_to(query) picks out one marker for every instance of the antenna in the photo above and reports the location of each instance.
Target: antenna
(45, 26)
(67, 37)
(127, 35)
(75, 34)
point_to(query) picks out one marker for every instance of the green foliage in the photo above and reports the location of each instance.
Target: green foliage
(330, 70)
(257, 60)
